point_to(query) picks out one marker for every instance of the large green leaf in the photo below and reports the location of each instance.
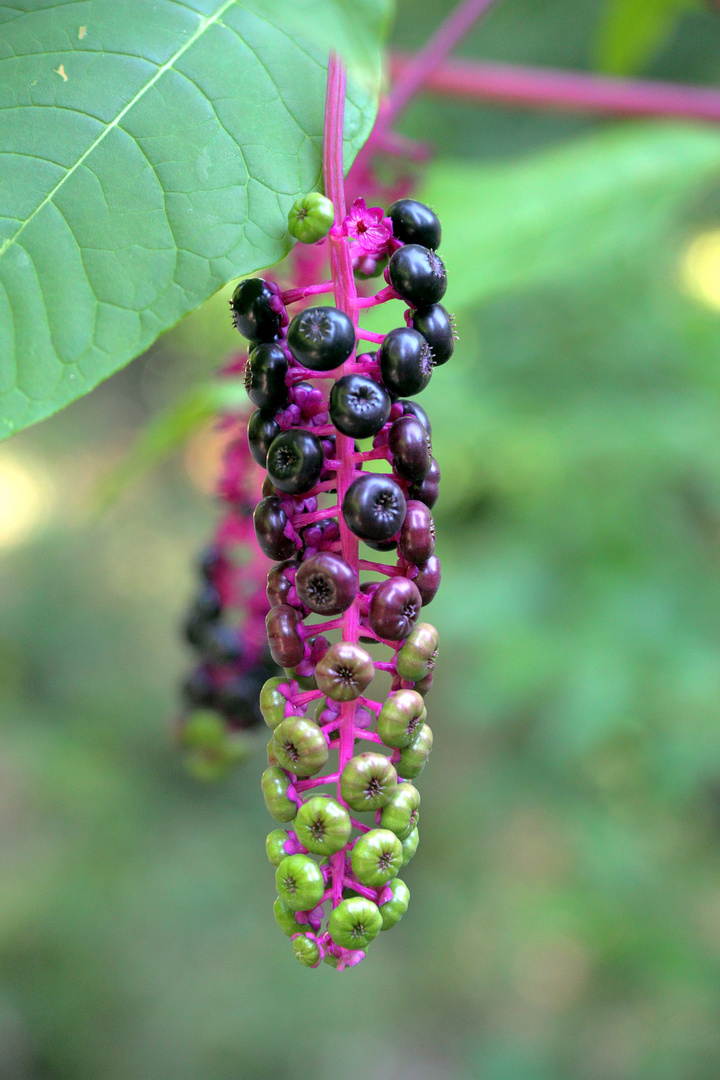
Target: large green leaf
(149, 155)
(631, 31)
(551, 215)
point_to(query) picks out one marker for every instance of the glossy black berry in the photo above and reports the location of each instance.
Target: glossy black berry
(405, 361)
(261, 430)
(427, 490)
(374, 507)
(326, 584)
(408, 442)
(435, 325)
(265, 373)
(415, 223)
(418, 275)
(295, 461)
(270, 521)
(321, 338)
(251, 311)
(358, 406)
(411, 408)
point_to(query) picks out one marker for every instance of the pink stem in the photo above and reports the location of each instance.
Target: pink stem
(417, 71)
(345, 298)
(291, 296)
(512, 84)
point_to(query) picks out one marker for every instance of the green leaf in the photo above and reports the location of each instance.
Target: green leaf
(552, 215)
(166, 432)
(632, 31)
(150, 154)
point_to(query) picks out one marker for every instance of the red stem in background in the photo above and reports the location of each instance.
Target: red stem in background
(417, 71)
(513, 84)
(345, 297)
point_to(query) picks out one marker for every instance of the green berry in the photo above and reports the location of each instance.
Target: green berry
(415, 657)
(203, 730)
(368, 781)
(275, 846)
(274, 784)
(354, 923)
(311, 218)
(413, 758)
(393, 910)
(285, 918)
(272, 758)
(323, 825)
(272, 702)
(400, 814)
(376, 858)
(345, 671)
(306, 951)
(410, 846)
(300, 746)
(400, 717)
(305, 682)
(299, 882)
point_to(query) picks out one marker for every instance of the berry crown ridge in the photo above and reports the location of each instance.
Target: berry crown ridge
(347, 464)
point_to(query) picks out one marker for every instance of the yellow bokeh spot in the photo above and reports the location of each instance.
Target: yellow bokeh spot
(701, 268)
(24, 500)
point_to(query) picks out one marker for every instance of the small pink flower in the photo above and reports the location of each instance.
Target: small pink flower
(369, 229)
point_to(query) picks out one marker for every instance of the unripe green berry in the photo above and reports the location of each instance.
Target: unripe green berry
(299, 882)
(345, 671)
(393, 910)
(367, 781)
(311, 217)
(323, 825)
(401, 814)
(376, 857)
(272, 702)
(274, 784)
(354, 923)
(413, 758)
(300, 746)
(203, 730)
(305, 682)
(272, 758)
(410, 846)
(400, 717)
(275, 846)
(285, 918)
(306, 951)
(414, 658)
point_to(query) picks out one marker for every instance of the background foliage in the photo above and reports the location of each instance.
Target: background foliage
(565, 914)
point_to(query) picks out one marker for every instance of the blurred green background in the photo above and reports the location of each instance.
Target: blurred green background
(565, 913)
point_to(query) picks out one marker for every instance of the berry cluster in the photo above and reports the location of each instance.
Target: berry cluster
(225, 624)
(319, 500)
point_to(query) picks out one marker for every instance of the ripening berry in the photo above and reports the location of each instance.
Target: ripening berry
(311, 217)
(417, 536)
(409, 444)
(286, 645)
(401, 814)
(368, 781)
(427, 490)
(428, 579)
(300, 746)
(394, 609)
(414, 757)
(413, 659)
(272, 702)
(326, 584)
(400, 717)
(270, 522)
(345, 671)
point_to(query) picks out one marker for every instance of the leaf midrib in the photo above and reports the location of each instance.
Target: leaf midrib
(205, 23)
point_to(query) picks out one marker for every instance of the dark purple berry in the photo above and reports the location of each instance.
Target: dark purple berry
(268, 488)
(436, 327)
(415, 223)
(270, 521)
(417, 536)
(358, 406)
(238, 700)
(261, 430)
(418, 275)
(195, 629)
(428, 579)
(286, 645)
(265, 373)
(295, 461)
(278, 584)
(222, 644)
(408, 442)
(405, 361)
(321, 338)
(381, 545)
(251, 311)
(199, 688)
(209, 562)
(427, 490)
(411, 408)
(208, 603)
(394, 608)
(374, 507)
(326, 584)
